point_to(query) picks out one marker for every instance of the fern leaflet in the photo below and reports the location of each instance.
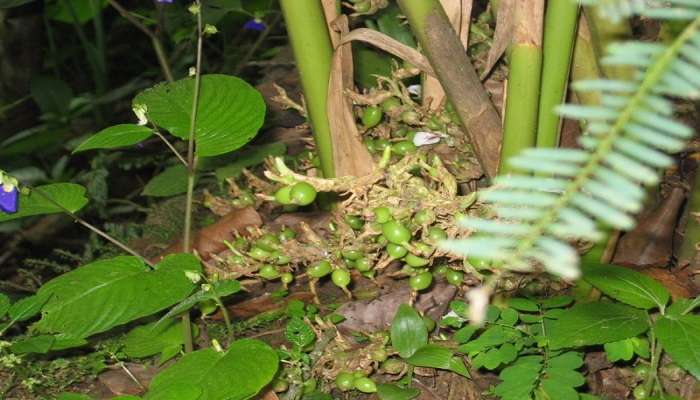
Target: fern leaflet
(561, 194)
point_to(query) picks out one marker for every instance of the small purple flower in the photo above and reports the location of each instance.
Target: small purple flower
(255, 24)
(165, 1)
(9, 200)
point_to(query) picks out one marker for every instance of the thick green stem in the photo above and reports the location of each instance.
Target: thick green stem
(688, 253)
(311, 42)
(560, 24)
(604, 32)
(522, 101)
(456, 73)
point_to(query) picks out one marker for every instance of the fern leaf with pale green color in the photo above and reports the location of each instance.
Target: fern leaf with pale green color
(562, 195)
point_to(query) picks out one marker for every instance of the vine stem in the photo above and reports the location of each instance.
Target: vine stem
(191, 167)
(91, 227)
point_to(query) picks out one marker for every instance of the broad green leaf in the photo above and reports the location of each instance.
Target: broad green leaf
(386, 391)
(619, 350)
(206, 292)
(465, 333)
(249, 157)
(170, 182)
(408, 331)
(116, 136)
(682, 307)
(147, 340)
(389, 22)
(680, 338)
(595, 323)
(434, 356)
(368, 63)
(229, 114)
(51, 95)
(4, 305)
(237, 374)
(84, 10)
(626, 285)
(26, 308)
(107, 293)
(45, 343)
(565, 376)
(68, 195)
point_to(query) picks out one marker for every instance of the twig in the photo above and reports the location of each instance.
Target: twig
(170, 146)
(155, 41)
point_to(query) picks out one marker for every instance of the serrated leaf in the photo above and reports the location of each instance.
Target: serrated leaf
(147, 340)
(107, 293)
(626, 285)
(170, 182)
(386, 391)
(434, 356)
(4, 305)
(116, 136)
(68, 195)
(408, 331)
(251, 364)
(680, 338)
(229, 114)
(216, 289)
(595, 323)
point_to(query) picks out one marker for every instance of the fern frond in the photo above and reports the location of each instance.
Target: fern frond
(616, 10)
(563, 194)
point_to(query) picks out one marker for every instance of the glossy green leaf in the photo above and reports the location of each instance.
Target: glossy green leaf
(387, 391)
(107, 293)
(26, 308)
(518, 381)
(229, 114)
(250, 364)
(172, 181)
(68, 195)
(408, 331)
(680, 338)
(595, 323)
(626, 285)
(116, 136)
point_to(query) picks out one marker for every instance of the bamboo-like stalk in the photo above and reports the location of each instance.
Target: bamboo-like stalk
(688, 251)
(605, 32)
(561, 18)
(311, 43)
(522, 101)
(456, 73)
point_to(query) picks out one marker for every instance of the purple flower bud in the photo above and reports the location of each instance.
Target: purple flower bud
(254, 25)
(165, 1)
(9, 201)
